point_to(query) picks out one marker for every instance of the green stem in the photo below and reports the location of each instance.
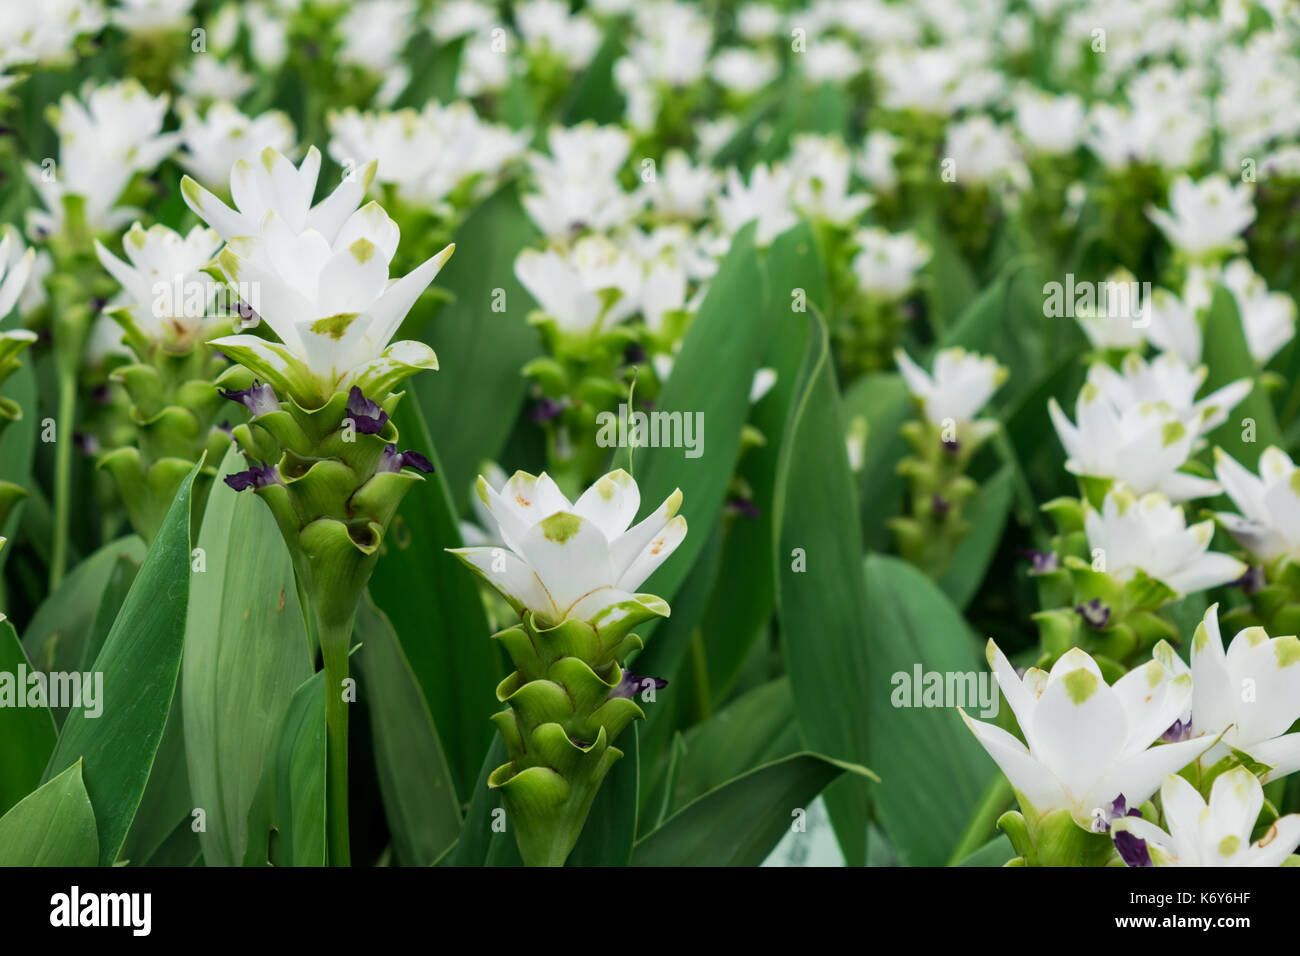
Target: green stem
(66, 421)
(334, 652)
(982, 825)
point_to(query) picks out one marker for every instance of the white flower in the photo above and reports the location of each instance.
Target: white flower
(18, 256)
(458, 18)
(1151, 535)
(268, 35)
(483, 67)
(983, 151)
(215, 141)
(962, 384)
(830, 60)
(1167, 380)
(548, 27)
(1268, 319)
(1141, 445)
(430, 154)
(321, 273)
(47, 31)
(1172, 326)
(577, 184)
(595, 285)
(743, 72)
(759, 21)
(887, 265)
(1209, 834)
(766, 198)
(144, 16)
(579, 560)
(1050, 125)
(157, 286)
(670, 46)
(1248, 697)
(1087, 741)
(102, 144)
(15, 267)
(209, 78)
(1269, 524)
(821, 166)
(1115, 320)
(375, 33)
(876, 164)
(1206, 217)
(680, 190)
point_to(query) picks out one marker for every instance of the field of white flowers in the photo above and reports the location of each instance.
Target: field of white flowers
(649, 432)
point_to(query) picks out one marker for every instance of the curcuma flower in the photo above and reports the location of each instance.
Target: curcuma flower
(1213, 833)
(960, 387)
(579, 560)
(1141, 445)
(1247, 697)
(1269, 524)
(887, 266)
(1086, 742)
(165, 292)
(1167, 380)
(570, 571)
(1205, 218)
(321, 275)
(1151, 535)
(14, 270)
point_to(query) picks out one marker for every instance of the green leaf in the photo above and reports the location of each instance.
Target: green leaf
(291, 797)
(756, 728)
(27, 734)
(56, 638)
(994, 853)
(821, 597)
(485, 835)
(883, 402)
(414, 779)
(610, 831)
(472, 401)
(987, 513)
(711, 376)
(18, 444)
(140, 663)
(246, 653)
(435, 606)
(52, 826)
(740, 822)
(596, 96)
(744, 594)
(933, 770)
(1229, 359)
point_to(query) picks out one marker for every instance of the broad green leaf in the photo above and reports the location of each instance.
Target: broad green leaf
(932, 769)
(485, 835)
(286, 823)
(610, 831)
(435, 607)
(882, 401)
(756, 728)
(52, 826)
(1006, 321)
(56, 638)
(711, 377)
(596, 96)
(987, 513)
(744, 594)
(1228, 358)
(17, 444)
(139, 664)
(414, 779)
(471, 402)
(246, 653)
(740, 822)
(27, 734)
(994, 853)
(821, 597)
